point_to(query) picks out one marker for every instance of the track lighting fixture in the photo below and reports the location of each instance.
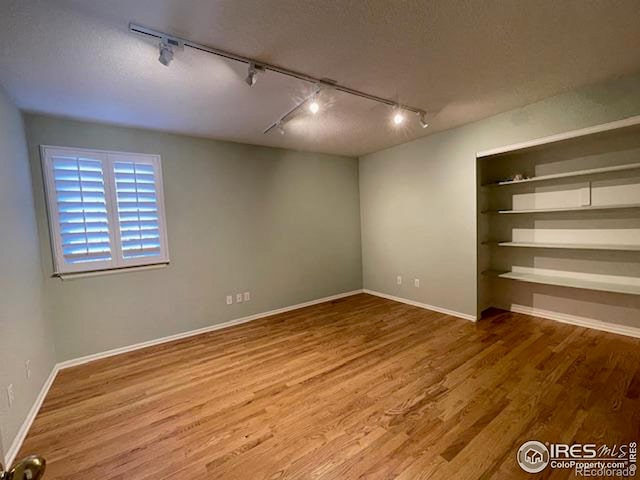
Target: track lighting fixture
(168, 43)
(166, 52)
(314, 106)
(252, 75)
(313, 100)
(422, 119)
(398, 117)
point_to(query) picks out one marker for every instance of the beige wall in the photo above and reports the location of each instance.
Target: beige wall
(418, 200)
(24, 329)
(281, 224)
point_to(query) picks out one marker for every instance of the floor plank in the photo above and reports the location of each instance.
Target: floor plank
(361, 387)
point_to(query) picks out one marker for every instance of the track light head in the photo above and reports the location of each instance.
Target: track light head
(252, 74)
(166, 53)
(314, 104)
(280, 128)
(422, 119)
(398, 117)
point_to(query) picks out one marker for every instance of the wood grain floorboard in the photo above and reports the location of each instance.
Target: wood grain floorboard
(358, 388)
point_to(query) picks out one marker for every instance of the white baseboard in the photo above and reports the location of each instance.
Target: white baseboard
(574, 320)
(559, 317)
(24, 429)
(26, 425)
(191, 333)
(116, 351)
(453, 313)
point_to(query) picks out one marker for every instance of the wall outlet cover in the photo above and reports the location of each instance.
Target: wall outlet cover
(229, 299)
(238, 298)
(399, 280)
(247, 296)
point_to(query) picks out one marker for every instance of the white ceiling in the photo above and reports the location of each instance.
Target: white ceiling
(461, 60)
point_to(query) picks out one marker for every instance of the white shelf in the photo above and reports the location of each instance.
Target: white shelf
(618, 124)
(571, 246)
(631, 289)
(576, 173)
(568, 209)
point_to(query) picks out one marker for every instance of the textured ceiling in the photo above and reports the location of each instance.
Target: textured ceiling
(460, 60)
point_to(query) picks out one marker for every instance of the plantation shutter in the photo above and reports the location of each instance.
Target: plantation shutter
(106, 209)
(136, 182)
(80, 209)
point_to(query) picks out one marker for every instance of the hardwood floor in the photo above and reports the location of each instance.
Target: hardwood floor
(357, 388)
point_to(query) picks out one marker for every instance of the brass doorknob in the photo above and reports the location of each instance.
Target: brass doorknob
(30, 468)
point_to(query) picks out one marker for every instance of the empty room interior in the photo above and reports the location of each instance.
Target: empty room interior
(319, 239)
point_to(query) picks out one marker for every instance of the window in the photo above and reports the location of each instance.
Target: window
(106, 209)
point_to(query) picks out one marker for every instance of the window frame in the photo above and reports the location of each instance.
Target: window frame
(107, 159)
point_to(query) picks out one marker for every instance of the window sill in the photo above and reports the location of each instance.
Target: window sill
(99, 273)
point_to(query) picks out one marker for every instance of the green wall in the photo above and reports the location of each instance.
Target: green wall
(287, 226)
(25, 333)
(284, 225)
(418, 200)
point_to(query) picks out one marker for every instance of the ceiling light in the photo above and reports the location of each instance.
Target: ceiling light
(314, 107)
(252, 75)
(170, 43)
(280, 129)
(398, 118)
(422, 119)
(166, 53)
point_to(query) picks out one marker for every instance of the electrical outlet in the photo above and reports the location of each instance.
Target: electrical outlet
(416, 282)
(27, 368)
(10, 395)
(247, 296)
(238, 298)
(229, 299)
(399, 280)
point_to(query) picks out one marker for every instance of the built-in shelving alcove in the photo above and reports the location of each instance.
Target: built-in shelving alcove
(559, 226)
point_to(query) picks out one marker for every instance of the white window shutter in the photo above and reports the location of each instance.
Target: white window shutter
(140, 216)
(106, 210)
(77, 195)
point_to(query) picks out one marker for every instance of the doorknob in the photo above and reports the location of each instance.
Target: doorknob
(30, 468)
